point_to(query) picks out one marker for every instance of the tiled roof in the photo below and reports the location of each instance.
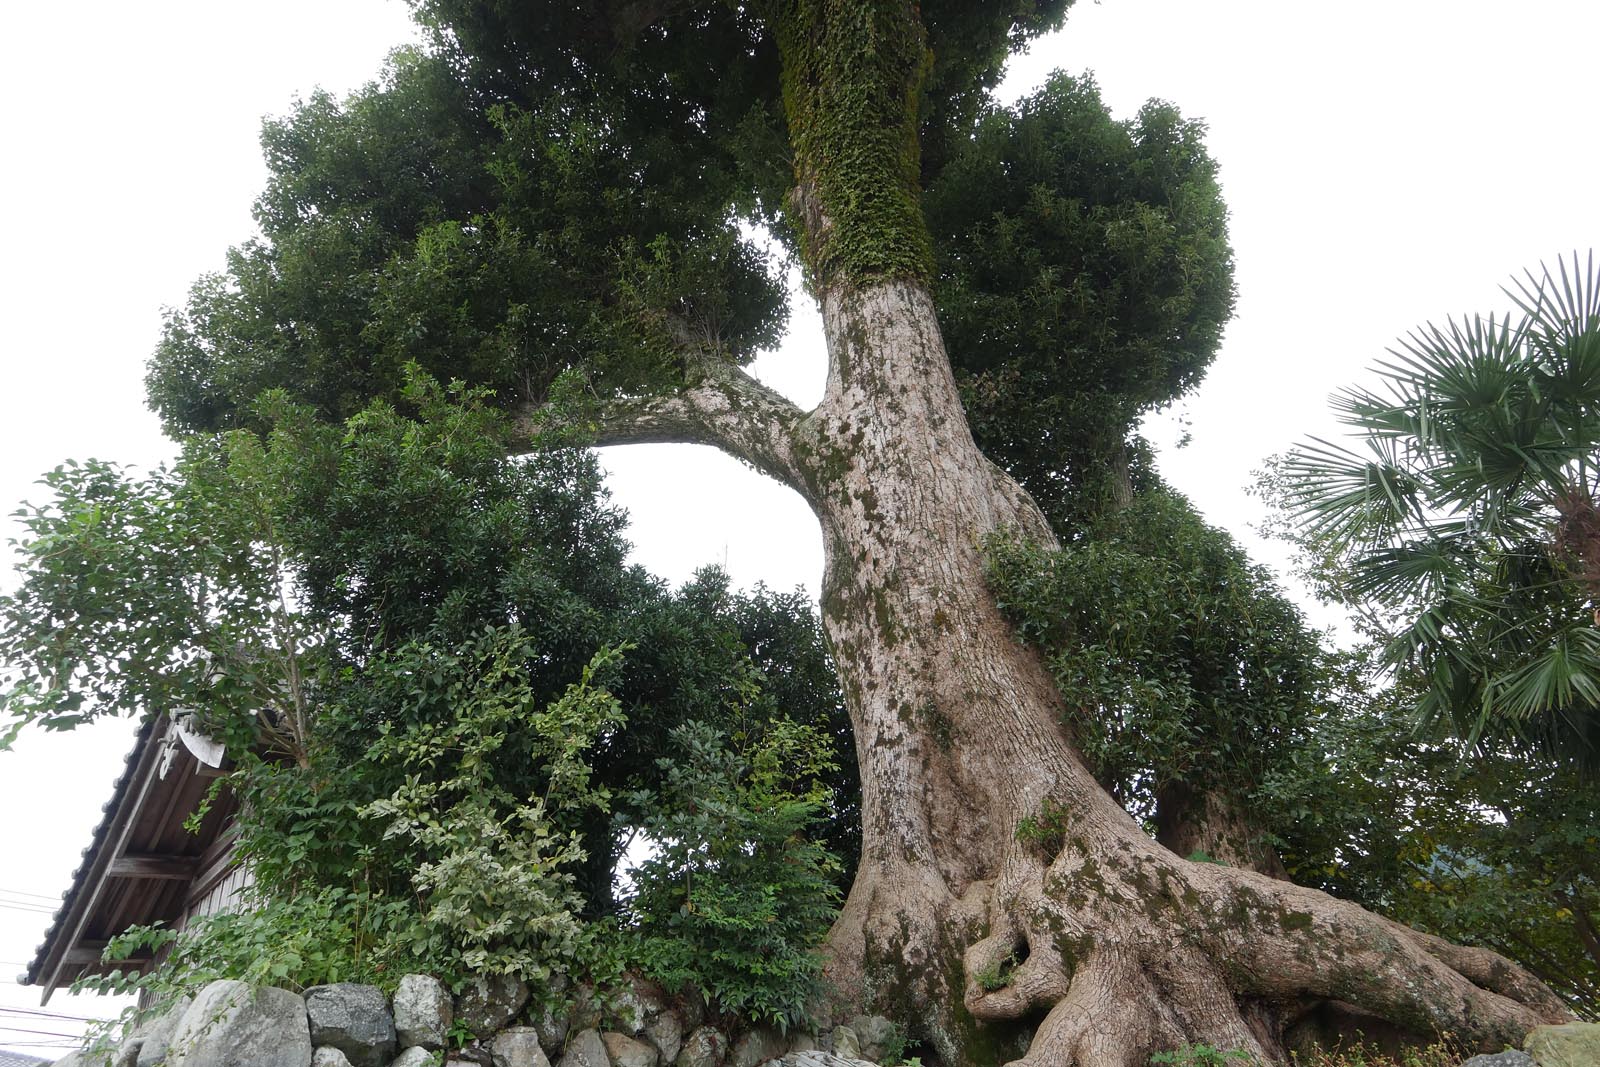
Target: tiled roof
(17, 1059)
(90, 851)
(142, 860)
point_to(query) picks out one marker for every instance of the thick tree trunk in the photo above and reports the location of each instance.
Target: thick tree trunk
(1005, 905)
(1215, 825)
(1006, 908)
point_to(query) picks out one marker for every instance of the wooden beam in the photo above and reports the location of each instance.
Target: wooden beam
(70, 932)
(166, 868)
(84, 953)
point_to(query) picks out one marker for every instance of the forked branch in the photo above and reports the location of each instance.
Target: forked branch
(720, 405)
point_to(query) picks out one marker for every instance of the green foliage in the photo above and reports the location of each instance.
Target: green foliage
(464, 768)
(1047, 829)
(157, 592)
(1083, 278)
(1177, 659)
(1201, 1056)
(500, 238)
(996, 976)
(737, 895)
(853, 72)
(895, 1048)
(1497, 851)
(492, 870)
(450, 874)
(1465, 526)
(312, 938)
(1460, 533)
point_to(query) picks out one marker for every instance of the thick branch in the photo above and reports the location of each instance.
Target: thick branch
(722, 406)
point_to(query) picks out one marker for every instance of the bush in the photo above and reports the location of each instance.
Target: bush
(737, 896)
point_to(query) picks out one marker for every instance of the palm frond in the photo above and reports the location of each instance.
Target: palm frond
(1566, 672)
(1349, 499)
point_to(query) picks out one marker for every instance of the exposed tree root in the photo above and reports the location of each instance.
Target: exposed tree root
(1006, 907)
(1124, 957)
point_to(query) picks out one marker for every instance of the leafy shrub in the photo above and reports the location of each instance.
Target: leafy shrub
(451, 874)
(1180, 661)
(493, 870)
(392, 625)
(737, 896)
(1202, 1056)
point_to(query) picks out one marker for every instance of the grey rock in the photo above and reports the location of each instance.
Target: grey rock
(585, 1013)
(231, 1024)
(1568, 1045)
(552, 1024)
(624, 1051)
(82, 1058)
(354, 1019)
(422, 1012)
(803, 1042)
(819, 1058)
(518, 1046)
(1512, 1058)
(328, 1056)
(692, 1006)
(127, 1054)
(665, 1031)
(585, 1049)
(415, 1056)
(846, 1045)
(875, 1034)
(158, 1034)
(490, 1003)
(706, 1047)
(633, 1006)
(757, 1046)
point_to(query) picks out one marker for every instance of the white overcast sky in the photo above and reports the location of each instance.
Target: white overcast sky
(1385, 163)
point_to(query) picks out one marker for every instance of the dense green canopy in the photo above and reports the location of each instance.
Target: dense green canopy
(558, 188)
(1084, 278)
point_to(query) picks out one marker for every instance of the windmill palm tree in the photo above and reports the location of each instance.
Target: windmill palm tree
(1464, 522)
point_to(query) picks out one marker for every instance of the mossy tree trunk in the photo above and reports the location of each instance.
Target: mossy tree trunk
(1006, 907)
(1214, 824)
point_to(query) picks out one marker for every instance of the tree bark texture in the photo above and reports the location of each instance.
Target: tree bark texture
(1001, 890)
(1215, 824)
(1006, 908)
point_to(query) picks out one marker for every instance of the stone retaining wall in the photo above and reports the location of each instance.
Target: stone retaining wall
(491, 1024)
(495, 1024)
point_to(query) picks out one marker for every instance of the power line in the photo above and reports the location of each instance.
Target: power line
(44, 1033)
(25, 893)
(51, 1014)
(31, 902)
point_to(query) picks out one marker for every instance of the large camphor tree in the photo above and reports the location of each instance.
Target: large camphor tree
(551, 202)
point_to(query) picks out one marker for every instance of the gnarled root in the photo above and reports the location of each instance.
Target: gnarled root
(1134, 950)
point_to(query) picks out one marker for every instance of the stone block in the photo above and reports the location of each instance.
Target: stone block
(354, 1019)
(490, 1003)
(518, 1046)
(422, 1012)
(585, 1049)
(625, 1051)
(1568, 1045)
(231, 1024)
(706, 1047)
